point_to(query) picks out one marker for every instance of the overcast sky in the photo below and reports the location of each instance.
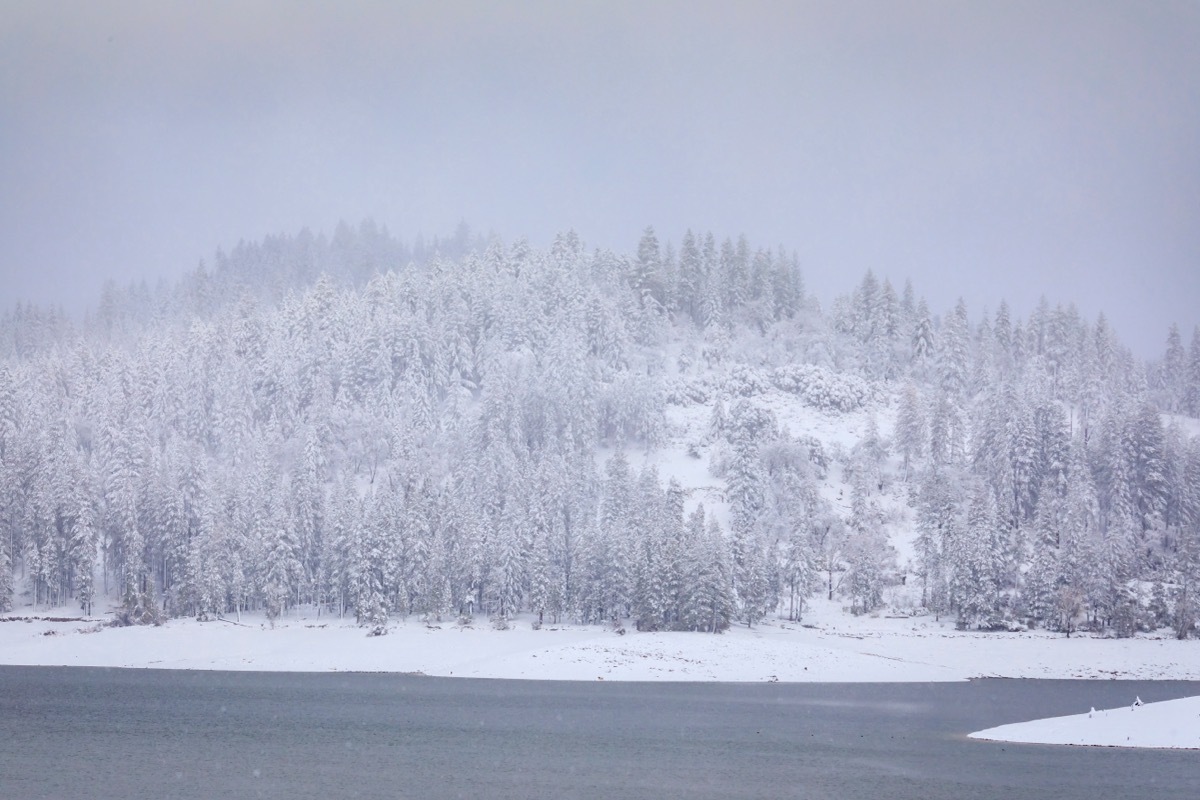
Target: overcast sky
(987, 150)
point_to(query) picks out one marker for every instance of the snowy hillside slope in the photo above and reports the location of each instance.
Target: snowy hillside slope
(673, 440)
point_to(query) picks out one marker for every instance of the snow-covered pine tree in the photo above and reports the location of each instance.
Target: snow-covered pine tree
(749, 426)
(611, 547)
(715, 596)
(937, 528)
(1145, 451)
(923, 342)
(651, 562)
(1191, 398)
(910, 431)
(979, 563)
(281, 568)
(1173, 381)
(867, 550)
(1042, 579)
(954, 355)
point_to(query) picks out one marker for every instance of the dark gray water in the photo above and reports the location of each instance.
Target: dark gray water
(97, 733)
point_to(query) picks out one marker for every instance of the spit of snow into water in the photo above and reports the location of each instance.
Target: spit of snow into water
(1169, 724)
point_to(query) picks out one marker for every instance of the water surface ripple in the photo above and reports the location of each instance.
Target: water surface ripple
(110, 733)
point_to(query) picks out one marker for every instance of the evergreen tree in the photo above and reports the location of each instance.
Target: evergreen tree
(749, 426)
(953, 355)
(937, 530)
(1145, 453)
(652, 560)
(1044, 576)
(281, 571)
(1174, 372)
(1192, 386)
(1081, 532)
(864, 578)
(611, 549)
(911, 428)
(714, 601)
(691, 279)
(1002, 341)
(977, 564)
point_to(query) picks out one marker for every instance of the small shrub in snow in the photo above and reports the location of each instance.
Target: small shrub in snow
(684, 362)
(718, 460)
(684, 392)
(822, 389)
(139, 608)
(816, 453)
(744, 381)
(1186, 621)
(996, 623)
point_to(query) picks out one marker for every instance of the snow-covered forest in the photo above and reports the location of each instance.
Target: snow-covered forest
(362, 427)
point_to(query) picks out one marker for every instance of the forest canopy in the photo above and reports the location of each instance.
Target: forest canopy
(376, 429)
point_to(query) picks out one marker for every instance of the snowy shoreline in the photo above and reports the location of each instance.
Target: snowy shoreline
(828, 647)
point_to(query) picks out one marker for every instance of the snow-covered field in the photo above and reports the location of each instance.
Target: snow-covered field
(1173, 724)
(829, 646)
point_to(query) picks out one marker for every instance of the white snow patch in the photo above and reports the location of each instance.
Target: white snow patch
(1170, 724)
(830, 646)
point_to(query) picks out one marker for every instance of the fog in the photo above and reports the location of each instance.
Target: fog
(988, 150)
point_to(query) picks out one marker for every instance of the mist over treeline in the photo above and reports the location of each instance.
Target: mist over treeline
(264, 270)
(371, 428)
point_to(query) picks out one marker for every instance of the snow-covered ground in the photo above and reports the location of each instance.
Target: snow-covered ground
(1174, 724)
(829, 646)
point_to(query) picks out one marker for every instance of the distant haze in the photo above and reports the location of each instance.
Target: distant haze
(989, 150)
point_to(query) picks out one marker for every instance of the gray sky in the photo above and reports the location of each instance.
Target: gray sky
(1007, 149)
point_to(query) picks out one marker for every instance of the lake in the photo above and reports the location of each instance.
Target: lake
(108, 733)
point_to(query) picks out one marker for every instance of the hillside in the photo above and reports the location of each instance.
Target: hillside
(680, 439)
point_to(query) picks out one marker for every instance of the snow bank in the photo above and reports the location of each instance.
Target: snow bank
(831, 647)
(1173, 724)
